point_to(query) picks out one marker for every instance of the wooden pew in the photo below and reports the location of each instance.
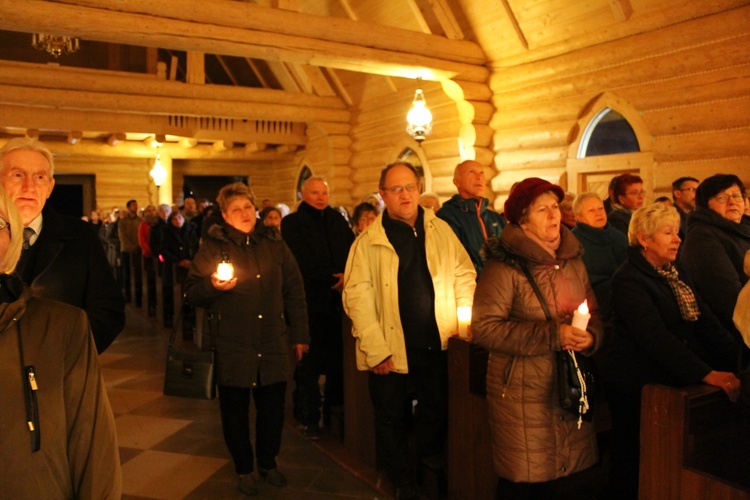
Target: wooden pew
(695, 443)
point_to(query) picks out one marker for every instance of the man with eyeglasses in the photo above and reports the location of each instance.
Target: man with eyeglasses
(468, 212)
(683, 194)
(62, 258)
(629, 196)
(405, 277)
(319, 237)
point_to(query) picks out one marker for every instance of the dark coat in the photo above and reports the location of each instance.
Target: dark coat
(533, 438)
(604, 250)
(179, 243)
(461, 215)
(69, 265)
(78, 455)
(320, 241)
(248, 324)
(619, 218)
(653, 344)
(712, 254)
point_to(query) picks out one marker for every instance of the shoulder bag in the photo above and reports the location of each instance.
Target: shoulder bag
(575, 376)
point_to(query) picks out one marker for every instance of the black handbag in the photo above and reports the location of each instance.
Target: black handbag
(190, 373)
(575, 375)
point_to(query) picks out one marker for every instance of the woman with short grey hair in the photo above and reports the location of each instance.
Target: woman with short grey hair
(664, 334)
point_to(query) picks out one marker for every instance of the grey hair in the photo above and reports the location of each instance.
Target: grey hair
(28, 144)
(578, 202)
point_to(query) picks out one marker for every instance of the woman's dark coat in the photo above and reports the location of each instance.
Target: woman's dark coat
(653, 344)
(712, 254)
(179, 243)
(604, 250)
(533, 438)
(254, 324)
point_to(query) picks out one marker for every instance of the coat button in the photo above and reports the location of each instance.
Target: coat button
(260, 316)
(257, 275)
(254, 384)
(564, 469)
(260, 355)
(557, 267)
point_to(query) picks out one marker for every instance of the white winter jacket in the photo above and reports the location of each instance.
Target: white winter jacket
(371, 290)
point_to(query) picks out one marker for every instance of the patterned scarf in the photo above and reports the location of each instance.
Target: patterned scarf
(684, 295)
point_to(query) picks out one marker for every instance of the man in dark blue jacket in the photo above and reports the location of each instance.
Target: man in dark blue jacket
(468, 212)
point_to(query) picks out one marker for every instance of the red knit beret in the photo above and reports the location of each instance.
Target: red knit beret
(524, 195)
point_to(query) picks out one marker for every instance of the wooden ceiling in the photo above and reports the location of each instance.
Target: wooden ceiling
(232, 72)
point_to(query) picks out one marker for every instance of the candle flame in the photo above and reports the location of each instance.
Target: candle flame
(224, 271)
(464, 314)
(584, 307)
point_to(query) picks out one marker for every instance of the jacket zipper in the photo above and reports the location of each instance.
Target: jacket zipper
(32, 407)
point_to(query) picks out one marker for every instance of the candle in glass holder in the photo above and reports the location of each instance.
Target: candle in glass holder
(581, 316)
(224, 271)
(464, 320)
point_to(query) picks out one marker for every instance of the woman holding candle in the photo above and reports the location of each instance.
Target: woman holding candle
(535, 442)
(664, 334)
(254, 317)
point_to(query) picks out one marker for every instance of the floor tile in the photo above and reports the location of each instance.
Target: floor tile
(159, 474)
(136, 431)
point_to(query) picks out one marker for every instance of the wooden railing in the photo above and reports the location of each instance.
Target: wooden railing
(695, 443)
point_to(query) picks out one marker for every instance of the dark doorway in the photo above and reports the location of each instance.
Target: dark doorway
(73, 195)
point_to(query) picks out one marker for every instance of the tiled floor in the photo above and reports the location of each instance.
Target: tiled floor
(173, 448)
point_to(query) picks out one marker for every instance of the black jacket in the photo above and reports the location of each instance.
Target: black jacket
(69, 265)
(712, 254)
(248, 324)
(179, 243)
(653, 344)
(320, 241)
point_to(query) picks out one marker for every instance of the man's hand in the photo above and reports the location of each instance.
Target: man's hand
(339, 286)
(384, 368)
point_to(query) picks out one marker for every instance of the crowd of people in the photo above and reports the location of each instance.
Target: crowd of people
(400, 268)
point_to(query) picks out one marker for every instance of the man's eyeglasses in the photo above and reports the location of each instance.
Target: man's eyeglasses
(642, 192)
(692, 190)
(410, 188)
(723, 198)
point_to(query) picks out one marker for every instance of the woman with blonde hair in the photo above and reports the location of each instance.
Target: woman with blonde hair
(664, 334)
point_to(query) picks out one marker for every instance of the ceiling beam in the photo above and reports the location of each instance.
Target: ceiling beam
(41, 119)
(259, 32)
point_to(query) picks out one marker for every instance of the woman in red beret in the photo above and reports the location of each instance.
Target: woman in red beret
(535, 442)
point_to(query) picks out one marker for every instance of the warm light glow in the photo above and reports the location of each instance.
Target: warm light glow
(54, 44)
(419, 118)
(225, 271)
(584, 307)
(464, 320)
(158, 173)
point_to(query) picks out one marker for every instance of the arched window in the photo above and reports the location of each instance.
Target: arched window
(608, 133)
(304, 174)
(412, 157)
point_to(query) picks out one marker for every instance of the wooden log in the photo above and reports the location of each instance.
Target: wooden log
(73, 78)
(718, 115)
(193, 34)
(256, 17)
(162, 105)
(709, 145)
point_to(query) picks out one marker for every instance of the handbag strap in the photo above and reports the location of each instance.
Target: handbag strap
(537, 292)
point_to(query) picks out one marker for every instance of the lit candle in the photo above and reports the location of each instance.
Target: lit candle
(464, 319)
(581, 316)
(224, 271)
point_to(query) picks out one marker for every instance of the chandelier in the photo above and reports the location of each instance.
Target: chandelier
(54, 44)
(419, 117)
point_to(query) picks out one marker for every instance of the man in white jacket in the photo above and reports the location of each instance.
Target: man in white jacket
(405, 276)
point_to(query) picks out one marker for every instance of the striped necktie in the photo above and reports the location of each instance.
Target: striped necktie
(27, 234)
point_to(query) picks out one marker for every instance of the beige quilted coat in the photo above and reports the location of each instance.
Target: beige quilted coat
(533, 439)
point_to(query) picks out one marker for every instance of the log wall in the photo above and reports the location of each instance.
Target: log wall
(690, 83)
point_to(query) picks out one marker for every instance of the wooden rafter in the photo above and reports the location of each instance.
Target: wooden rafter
(271, 34)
